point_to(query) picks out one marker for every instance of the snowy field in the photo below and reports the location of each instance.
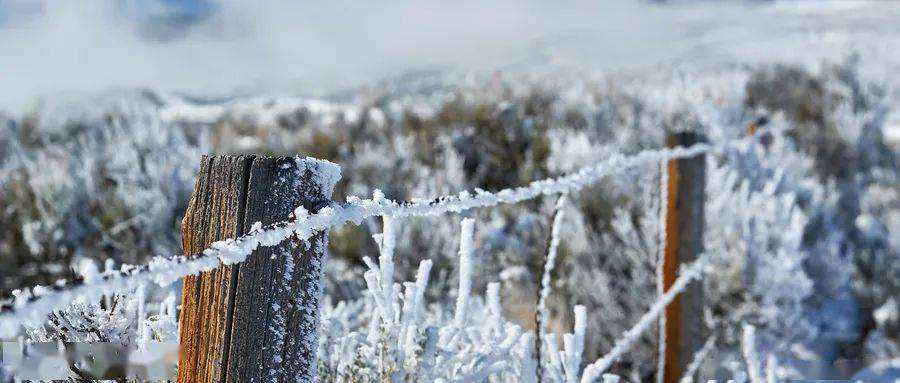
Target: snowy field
(106, 109)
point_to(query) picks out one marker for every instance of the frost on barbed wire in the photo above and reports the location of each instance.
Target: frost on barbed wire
(542, 314)
(129, 317)
(628, 249)
(126, 321)
(800, 242)
(106, 187)
(409, 146)
(550, 262)
(265, 237)
(687, 274)
(165, 270)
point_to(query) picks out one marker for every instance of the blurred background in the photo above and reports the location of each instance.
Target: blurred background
(107, 105)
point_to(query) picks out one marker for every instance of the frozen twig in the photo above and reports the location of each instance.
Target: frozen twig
(465, 271)
(163, 270)
(748, 348)
(698, 359)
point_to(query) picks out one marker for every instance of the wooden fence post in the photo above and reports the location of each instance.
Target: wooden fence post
(684, 330)
(254, 321)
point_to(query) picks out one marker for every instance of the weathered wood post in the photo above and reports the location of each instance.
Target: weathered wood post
(684, 330)
(254, 321)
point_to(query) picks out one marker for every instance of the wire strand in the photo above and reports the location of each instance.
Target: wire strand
(33, 305)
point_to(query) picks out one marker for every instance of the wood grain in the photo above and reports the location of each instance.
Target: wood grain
(214, 213)
(254, 321)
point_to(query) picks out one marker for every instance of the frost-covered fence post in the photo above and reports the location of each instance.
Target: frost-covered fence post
(684, 329)
(253, 321)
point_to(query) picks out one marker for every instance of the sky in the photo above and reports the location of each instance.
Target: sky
(48, 47)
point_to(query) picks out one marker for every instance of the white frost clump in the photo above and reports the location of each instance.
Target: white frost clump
(748, 347)
(390, 335)
(166, 270)
(326, 173)
(466, 243)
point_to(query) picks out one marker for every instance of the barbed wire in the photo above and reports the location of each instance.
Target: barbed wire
(688, 274)
(33, 305)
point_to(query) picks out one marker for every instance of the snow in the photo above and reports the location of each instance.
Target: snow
(770, 204)
(166, 270)
(325, 173)
(399, 309)
(258, 111)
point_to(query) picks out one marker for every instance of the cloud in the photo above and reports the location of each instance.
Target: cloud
(88, 45)
(219, 46)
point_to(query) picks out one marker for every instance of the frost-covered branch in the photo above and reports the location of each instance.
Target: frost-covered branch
(748, 348)
(466, 243)
(698, 359)
(34, 305)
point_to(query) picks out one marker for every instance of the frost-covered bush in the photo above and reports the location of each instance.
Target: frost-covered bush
(848, 238)
(129, 327)
(760, 200)
(394, 335)
(110, 187)
(802, 226)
